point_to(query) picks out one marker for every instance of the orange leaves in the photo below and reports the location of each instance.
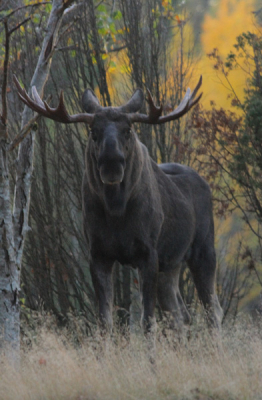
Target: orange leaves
(178, 19)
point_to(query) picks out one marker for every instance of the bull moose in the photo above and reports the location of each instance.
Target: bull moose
(149, 216)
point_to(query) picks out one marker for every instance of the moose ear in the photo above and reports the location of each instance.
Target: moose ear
(90, 102)
(135, 103)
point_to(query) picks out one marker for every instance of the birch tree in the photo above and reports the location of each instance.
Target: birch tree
(14, 208)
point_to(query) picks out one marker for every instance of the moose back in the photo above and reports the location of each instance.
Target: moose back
(139, 213)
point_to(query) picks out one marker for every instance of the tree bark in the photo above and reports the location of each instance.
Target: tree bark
(9, 273)
(14, 225)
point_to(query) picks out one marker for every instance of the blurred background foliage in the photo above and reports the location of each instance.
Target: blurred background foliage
(164, 45)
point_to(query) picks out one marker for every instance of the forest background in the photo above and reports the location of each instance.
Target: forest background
(114, 47)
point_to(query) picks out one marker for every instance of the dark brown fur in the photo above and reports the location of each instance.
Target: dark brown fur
(152, 217)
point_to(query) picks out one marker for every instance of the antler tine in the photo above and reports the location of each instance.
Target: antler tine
(36, 104)
(186, 104)
(154, 111)
(61, 108)
(21, 92)
(196, 100)
(36, 97)
(183, 104)
(30, 103)
(59, 113)
(196, 89)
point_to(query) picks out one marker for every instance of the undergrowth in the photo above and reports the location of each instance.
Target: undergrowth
(199, 366)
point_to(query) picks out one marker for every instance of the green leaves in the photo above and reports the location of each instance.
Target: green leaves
(117, 15)
(106, 22)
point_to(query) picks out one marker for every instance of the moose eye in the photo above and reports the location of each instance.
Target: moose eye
(127, 133)
(93, 135)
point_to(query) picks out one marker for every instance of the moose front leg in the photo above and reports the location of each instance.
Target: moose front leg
(101, 273)
(149, 274)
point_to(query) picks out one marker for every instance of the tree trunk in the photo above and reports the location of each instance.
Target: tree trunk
(14, 225)
(9, 273)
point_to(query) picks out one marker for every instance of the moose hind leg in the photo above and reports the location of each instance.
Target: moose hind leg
(170, 300)
(202, 265)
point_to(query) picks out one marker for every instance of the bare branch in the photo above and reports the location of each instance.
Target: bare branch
(4, 85)
(18, 26)
(22, 7)
(23, 133)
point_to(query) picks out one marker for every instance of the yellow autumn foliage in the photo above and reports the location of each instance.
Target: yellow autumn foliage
(231, 18)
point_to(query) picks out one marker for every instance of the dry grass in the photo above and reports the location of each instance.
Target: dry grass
(119, 369)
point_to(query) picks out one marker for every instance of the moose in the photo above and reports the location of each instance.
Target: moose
(152, 217)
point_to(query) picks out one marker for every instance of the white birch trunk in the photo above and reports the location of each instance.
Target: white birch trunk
(9, 273)
(14, 225)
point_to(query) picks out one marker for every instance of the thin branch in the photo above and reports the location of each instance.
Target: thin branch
(8, 33)
(20, 8)
(23, 133)
(4, 85)
(257, 12)
(18, 26)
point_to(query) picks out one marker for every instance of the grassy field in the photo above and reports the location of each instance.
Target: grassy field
(199, 368)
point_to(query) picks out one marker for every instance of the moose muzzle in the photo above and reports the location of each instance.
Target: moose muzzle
(111, 162)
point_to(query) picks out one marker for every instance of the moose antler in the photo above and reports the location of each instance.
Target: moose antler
(155, 112)
(59, 113)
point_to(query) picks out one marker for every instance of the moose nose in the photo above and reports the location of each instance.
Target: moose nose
(110, 153)
(111, 158)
